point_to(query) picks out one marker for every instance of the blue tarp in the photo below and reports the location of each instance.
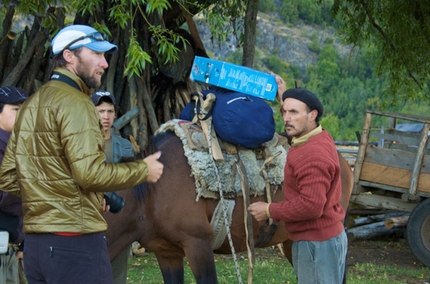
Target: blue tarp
(410, 127)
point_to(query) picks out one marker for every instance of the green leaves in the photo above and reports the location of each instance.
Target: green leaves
(399, 33)
(157, 5)
(88, 6)
(137, 58)
(120, 14)
(166, 43)
(150, 24)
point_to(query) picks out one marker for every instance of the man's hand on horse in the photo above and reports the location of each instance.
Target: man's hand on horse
(258, 210)
(155, 168)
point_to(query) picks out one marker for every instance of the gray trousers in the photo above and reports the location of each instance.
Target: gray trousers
(119, 266)
(320, 262)
(9, 266)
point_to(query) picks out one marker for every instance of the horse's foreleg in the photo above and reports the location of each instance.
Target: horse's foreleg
(172, 268)
(201, 261)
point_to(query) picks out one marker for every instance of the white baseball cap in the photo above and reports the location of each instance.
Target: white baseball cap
(76, 36)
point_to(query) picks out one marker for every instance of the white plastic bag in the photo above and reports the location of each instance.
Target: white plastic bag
(4, 241)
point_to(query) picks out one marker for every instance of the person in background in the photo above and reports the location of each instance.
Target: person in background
(311, 210)
(11, 99)
(55, 161)
(117, 149)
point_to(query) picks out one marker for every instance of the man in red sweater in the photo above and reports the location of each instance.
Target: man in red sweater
(312, 189)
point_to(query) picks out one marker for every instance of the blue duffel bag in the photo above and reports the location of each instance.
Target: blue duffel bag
(238, 118)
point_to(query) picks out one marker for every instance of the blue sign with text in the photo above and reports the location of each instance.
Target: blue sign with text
(234, 77)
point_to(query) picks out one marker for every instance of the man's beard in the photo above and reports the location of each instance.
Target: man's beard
(91, 82)
(81, 72)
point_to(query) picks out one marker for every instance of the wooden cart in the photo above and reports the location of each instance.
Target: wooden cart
(392, 171)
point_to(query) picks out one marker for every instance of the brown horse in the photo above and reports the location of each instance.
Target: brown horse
(165, 219)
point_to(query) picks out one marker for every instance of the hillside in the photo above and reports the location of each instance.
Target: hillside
(297, 45)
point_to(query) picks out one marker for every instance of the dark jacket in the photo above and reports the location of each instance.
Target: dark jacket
(10, 205)
(121, 149)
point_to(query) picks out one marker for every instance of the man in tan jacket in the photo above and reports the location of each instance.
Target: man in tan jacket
(56, 163)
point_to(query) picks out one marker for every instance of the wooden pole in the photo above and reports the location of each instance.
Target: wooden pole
(374, 218)
(369, 231)
(361, 152)
(396, 222)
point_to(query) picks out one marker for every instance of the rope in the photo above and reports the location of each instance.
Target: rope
(224, 210)
(266, 179)
(249, 238)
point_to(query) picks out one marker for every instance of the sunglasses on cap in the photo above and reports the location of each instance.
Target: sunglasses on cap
(95, 35)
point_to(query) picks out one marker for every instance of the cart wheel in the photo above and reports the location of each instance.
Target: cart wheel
(418, 231)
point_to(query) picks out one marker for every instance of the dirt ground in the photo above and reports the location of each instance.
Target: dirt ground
(393, 251)
(388, 251)
(384, 251)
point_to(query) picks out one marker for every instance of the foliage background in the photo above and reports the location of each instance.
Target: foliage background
(347, 85)
(385, 69)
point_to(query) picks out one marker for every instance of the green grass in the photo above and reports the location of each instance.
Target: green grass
(275, 270)
(385, 274)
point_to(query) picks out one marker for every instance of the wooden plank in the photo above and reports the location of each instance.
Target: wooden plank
(361, 152)
(366, 185)
(419, 160)
(395, 158)
(406, 138)
(385, 175)
(409, 117)
(392, 121)
(393, 176)
(378, 201)
(402, 147)
(370, 186)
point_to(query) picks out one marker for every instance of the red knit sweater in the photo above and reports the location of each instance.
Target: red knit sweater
(312, 190)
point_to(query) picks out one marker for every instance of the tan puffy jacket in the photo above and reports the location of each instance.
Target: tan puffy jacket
(60, 173)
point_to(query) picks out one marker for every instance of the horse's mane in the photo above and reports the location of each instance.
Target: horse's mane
(155, 143)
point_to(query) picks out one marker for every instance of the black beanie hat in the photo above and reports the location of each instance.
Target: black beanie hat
(307, 97)
(12, 95)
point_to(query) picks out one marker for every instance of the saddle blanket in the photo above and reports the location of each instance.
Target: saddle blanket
(212, 176)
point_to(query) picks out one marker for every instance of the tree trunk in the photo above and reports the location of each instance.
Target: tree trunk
(250, 33)
(7, 39)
